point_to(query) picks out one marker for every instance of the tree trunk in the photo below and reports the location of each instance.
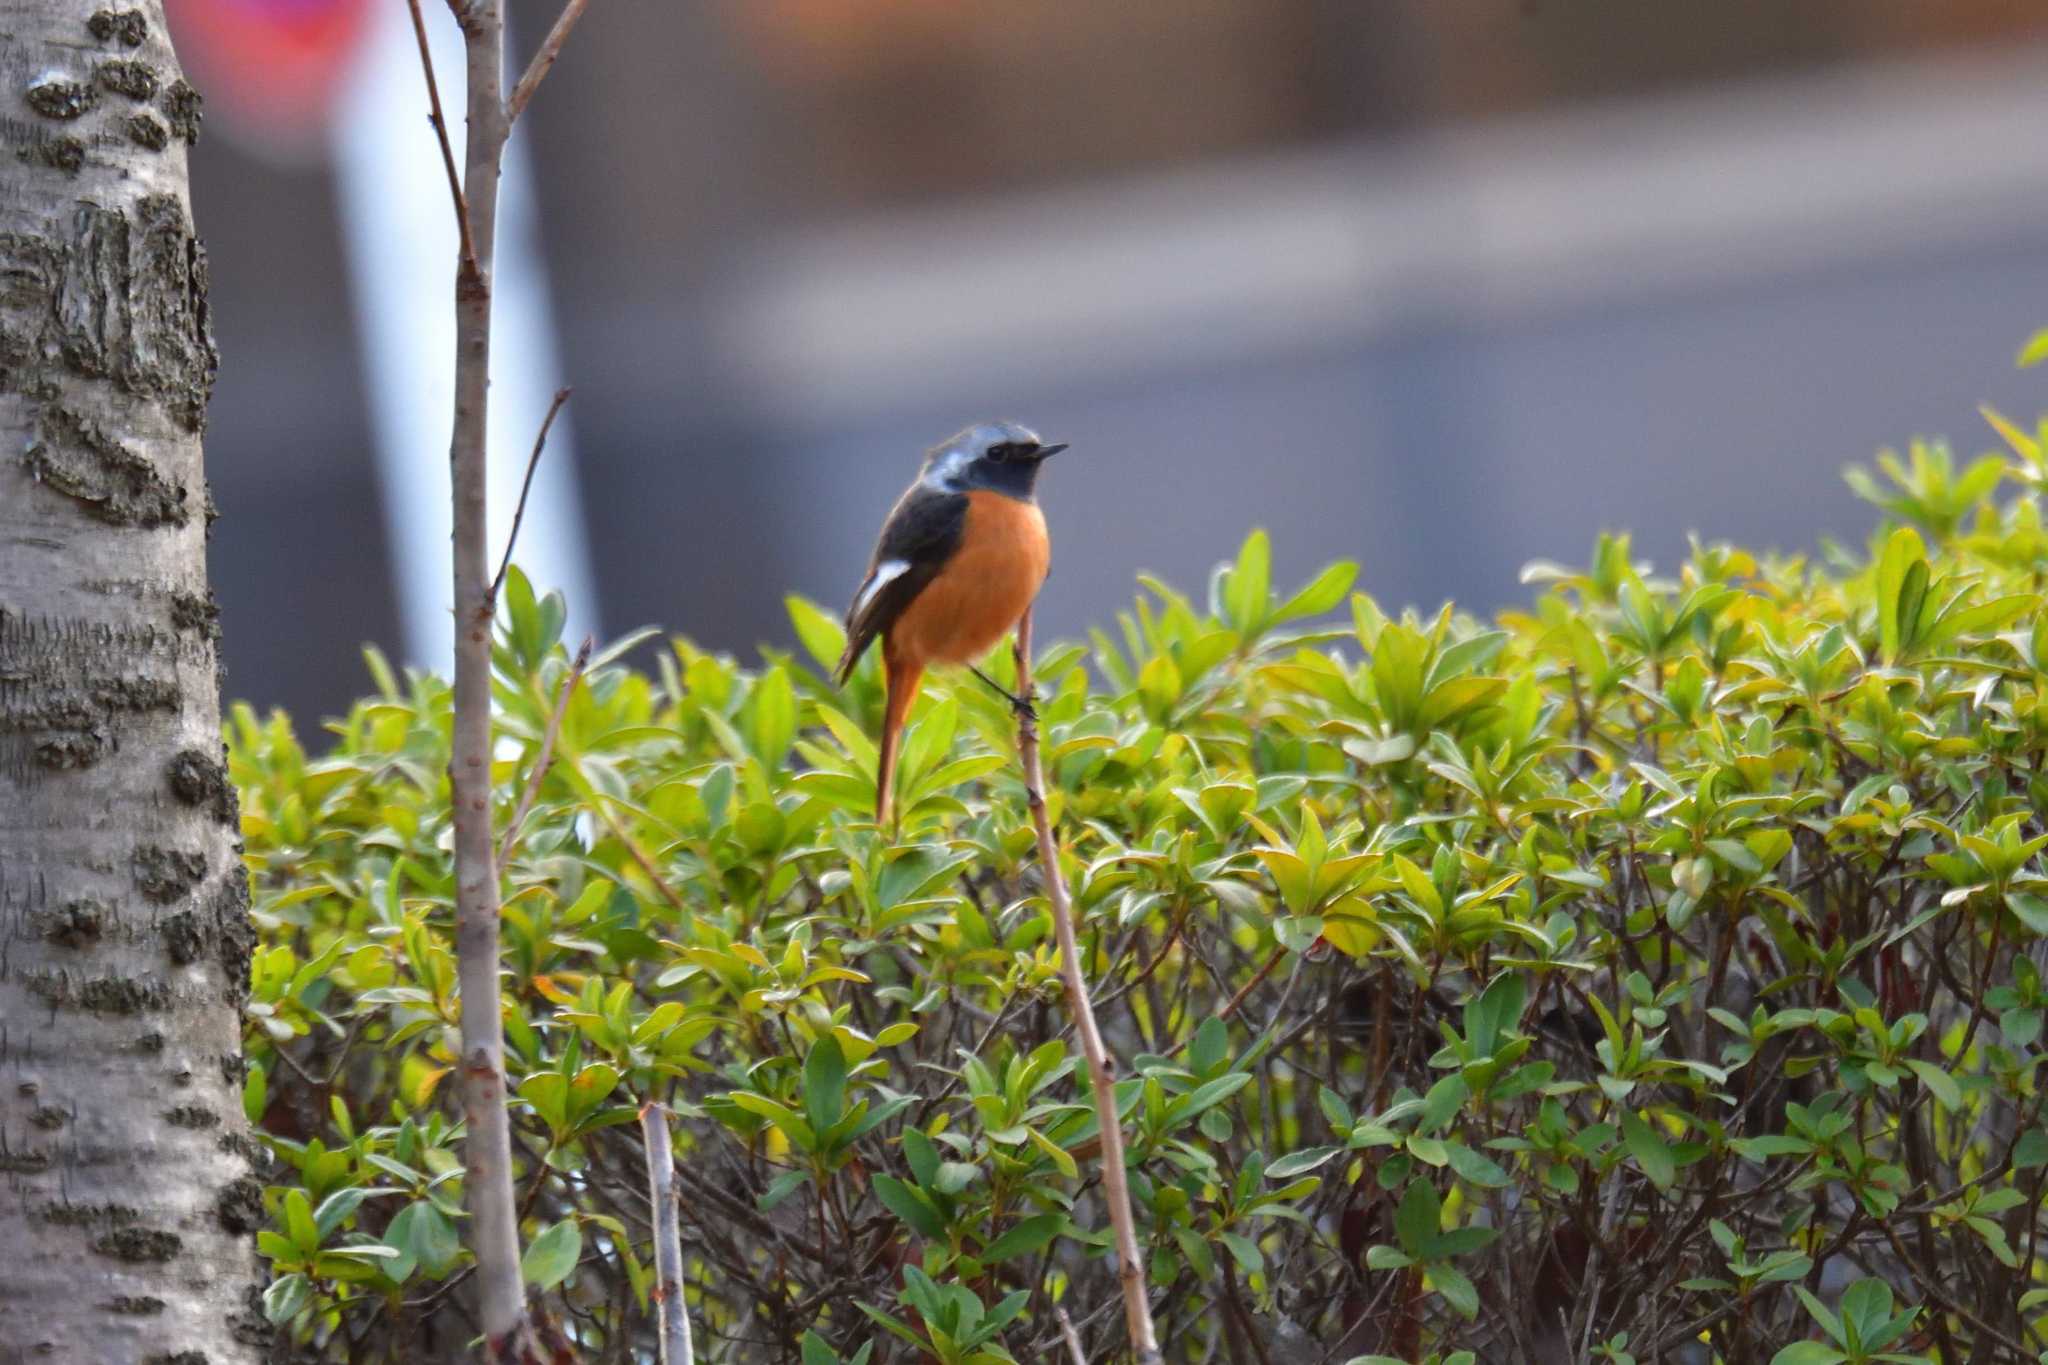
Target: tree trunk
(127, 1198)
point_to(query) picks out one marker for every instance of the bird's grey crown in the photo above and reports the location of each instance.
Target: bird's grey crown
(947, 461)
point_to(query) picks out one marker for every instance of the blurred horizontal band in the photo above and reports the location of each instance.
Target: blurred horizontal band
(1472, 227)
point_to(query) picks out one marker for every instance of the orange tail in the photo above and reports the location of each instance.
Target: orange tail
(903, 679)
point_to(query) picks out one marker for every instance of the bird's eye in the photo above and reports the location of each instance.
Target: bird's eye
(999, 452)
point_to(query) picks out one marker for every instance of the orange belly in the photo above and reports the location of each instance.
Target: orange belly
(983, 590)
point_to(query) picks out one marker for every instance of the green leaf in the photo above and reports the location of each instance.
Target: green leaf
(1458, 1291)
(1770, 1145)
(1321, 594)
(1938, 1082)
(909, 1205)
(285, 1296)
(1495, 1012)
(337, 1208)
(1475, 1167)
(2035, 351)
(1808, 1353)
(1442, 1103)
(1026, 1238)
(1211, 1045)
(1249, 586)
(1649, 1149)
(1901, 583)
(1244, 1251)
(1299, 1163)
(298, 1222)
(781, 1188)
(1461, 1242)
(424, 1232)
(1415, 1222)
(823, 637)
(1209, 1094)
(2030, 909)
(255, 1093)
(552, 1256)
(1062, 1159)
(824, 1084)
(921, 1155)
(770, 718)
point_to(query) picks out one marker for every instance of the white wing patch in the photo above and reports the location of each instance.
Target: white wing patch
(886, 572)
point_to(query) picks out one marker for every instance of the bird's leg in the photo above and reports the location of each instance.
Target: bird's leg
(1017, 703)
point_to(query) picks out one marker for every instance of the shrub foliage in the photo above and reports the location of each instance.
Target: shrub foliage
(1653, 973)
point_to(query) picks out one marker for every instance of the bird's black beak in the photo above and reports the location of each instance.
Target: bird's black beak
(1047, 452)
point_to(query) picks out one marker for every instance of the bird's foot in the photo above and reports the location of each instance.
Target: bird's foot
(1021, 705)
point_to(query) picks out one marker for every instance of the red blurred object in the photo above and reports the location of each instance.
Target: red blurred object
(270, 69)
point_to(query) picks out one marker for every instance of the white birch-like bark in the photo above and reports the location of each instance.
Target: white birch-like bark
(127, 1194)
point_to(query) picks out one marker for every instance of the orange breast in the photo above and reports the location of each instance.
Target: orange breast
(983, 590)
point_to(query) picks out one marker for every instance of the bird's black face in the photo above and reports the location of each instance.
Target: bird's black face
(1000, 457)
(1010, 466)
(1019, 452)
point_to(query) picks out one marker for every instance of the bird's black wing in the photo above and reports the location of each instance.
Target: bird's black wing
(921, 534)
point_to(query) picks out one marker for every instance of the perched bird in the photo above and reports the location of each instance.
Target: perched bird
(960, 558)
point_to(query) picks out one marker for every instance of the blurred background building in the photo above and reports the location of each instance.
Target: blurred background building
(1442, 286)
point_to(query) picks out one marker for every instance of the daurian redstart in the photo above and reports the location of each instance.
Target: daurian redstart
(960, 558)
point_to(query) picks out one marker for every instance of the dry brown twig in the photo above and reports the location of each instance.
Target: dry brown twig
(440, 122)
(540, 443)
(1115, 1183)
(544, 59)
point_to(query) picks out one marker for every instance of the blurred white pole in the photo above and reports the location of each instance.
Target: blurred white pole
(400, 239)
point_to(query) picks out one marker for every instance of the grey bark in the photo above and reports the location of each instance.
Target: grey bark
(127, 1191)
(487, 1146)
(671, 1314)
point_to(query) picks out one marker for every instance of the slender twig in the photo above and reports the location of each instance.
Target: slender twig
(1072, 1338)
(673, 1313)
(526, 486)
(440, 122)
(546, 758)
(544, 59)
(1115, 1182)
(509, 1333)
(640, 856)
(1230, 1006)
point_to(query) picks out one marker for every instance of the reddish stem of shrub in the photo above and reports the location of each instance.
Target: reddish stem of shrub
(1116, 1190)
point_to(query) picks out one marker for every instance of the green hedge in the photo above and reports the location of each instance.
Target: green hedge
(1654, 970)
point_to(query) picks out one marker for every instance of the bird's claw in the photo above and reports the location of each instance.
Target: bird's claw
(1023, 706)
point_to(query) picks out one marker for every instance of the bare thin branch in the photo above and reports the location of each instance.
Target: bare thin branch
(1116, 1191)
(674, 1314)
(440, 122)
(502, 1318)
(547, 754)
(641, 856)
(1230, 1006)
(540, 442)
(544, 60)
(1072, 1338)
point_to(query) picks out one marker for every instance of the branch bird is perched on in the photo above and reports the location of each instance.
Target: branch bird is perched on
(960, 558)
